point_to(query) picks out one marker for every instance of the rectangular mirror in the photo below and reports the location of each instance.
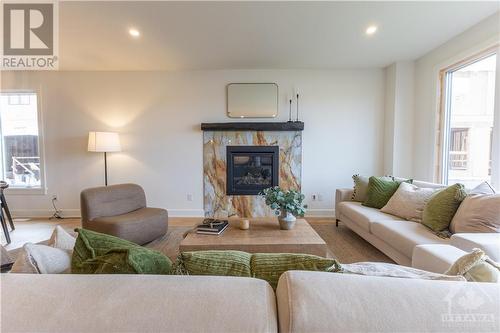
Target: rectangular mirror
(252, 100)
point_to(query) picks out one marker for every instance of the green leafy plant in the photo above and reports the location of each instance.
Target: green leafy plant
(284, 201)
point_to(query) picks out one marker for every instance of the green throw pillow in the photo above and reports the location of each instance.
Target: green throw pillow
(380, 190)
(222, 263)
(442, 206)
(270, 266)
(266, 266)
(361, 187)
(96, 253)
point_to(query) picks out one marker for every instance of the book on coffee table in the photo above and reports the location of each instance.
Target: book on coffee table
(212, 227)
(213, 231)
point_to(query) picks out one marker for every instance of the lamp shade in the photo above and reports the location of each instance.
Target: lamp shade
(104, 142)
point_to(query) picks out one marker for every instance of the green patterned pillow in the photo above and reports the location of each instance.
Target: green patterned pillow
(380, 190)
(96, 253)
(270, 266)
(223, 263)
(442, 206)
(361, 187)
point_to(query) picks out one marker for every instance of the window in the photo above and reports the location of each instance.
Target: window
(458, 148)
(468, 92)
(20, 140)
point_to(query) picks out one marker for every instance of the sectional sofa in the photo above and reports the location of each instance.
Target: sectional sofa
(303, 302)
(408, 242)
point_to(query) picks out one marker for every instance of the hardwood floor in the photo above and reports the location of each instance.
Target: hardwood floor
(344, 244)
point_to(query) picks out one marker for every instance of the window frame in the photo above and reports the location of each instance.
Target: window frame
(42, 190)
(441, 160)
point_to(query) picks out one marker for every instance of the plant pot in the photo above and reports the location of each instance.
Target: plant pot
(287, 220)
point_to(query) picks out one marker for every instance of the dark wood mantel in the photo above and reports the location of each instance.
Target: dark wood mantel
(254, 126)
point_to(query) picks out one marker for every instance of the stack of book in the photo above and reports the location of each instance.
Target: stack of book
(212, 227)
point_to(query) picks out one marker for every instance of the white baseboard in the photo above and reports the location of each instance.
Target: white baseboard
(186, 212)
(75, 213)
(44, 213)
(320, 213)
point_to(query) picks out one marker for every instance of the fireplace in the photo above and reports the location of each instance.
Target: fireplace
(250, 169)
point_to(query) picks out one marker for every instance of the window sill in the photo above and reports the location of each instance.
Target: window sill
(25, 191)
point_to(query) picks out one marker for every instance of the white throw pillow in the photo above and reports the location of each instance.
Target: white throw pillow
(477, 213)
(393, 270)
(37, 259)
(483, 188)
(476, 267)
(408, 202)
(62, 239)
(48, 259)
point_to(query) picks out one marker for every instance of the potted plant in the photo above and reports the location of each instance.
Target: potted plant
(286, 204)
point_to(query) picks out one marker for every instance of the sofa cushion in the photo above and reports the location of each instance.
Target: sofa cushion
(488, 242)
(436, 258)
(328, 302)
(97, 253)
(363, 216)
(139, 226)
(405, 235)
(136, 303)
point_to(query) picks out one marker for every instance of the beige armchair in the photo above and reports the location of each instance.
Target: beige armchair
(120, 210)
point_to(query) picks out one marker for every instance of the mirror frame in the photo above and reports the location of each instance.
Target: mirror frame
(252, 83)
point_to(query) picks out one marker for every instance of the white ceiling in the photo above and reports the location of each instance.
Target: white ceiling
(248, 35)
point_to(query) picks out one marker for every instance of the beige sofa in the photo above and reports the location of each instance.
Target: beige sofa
(303, 302)
(398, 238)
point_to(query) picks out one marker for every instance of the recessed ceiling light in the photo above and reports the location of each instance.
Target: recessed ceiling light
(371, 29)
(134, 32)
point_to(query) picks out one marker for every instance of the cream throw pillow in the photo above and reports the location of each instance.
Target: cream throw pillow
(62, 239)
(483, 188)
(408, 202)
(43, 259)
(476, 267)
(477, 213)
(47, 259)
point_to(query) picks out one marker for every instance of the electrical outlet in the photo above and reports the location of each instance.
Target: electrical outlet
(314, 197)
(189, 197)
(54, 197)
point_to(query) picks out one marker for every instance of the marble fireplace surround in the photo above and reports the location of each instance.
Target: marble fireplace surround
(216, 137)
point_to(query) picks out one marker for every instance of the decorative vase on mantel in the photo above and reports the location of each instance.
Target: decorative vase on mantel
(285, 204)
(287, 220)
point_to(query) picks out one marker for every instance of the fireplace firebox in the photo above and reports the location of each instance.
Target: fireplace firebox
(251, 169)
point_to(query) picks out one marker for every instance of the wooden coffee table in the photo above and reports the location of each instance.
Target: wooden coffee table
(264, 235)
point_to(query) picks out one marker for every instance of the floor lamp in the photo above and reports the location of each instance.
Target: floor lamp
(104, 142)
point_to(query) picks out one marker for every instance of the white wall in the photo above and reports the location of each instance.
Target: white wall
(158, 115)
(481, 36)
(399, 109)
(390, 105)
